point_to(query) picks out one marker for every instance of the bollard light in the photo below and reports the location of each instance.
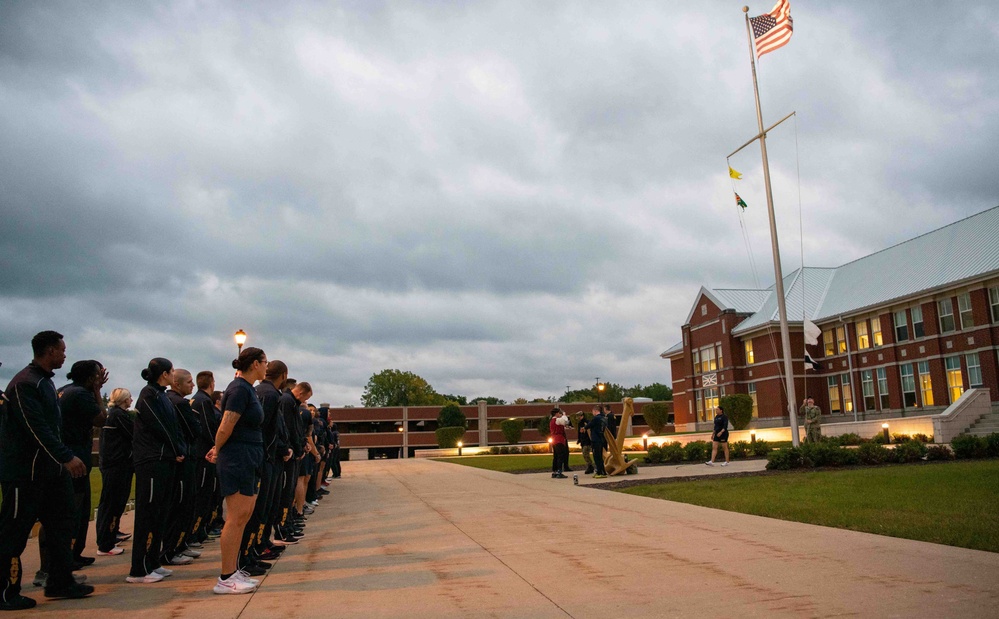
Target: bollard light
(240, 337)
(550, 443)
(459, 448)
(752, 437)
(884, 428)
(645, 441)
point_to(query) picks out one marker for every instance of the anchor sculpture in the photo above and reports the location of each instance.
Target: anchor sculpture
(614, 460)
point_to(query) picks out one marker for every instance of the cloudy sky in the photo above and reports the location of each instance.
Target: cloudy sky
(505, 198)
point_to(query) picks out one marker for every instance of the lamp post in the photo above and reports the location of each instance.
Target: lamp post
(884, 428)
(645, 441)
(600, 391)
(459, 447)
(240, 337)
(752, 437)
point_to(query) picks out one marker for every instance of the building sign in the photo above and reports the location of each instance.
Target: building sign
(709, 380)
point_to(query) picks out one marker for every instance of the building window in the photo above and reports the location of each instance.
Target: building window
(829, 342)
(974, 370)
(964, 306)
(867, 388)
(834, 406)
(917, 321)
(707, 404)
(955, 383)
(883, 387)
(945, 307)
(841, 339)
(863, 340)
(752, 394)
(901, 326)
(750, 358)
(847, 393)
(708, 363)
(908, 386)
(994, 302)
(925, 383)
(721, 358)
(876, 331)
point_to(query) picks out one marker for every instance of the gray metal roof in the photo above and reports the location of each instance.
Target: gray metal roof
(963, 250)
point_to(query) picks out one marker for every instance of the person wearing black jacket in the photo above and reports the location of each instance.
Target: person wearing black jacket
(335, 455)
(156, 450)
(206, 485)
(116, 471)
(181, 517)
(82, 410)
(596, 428)
(288, 408)
(36, 472)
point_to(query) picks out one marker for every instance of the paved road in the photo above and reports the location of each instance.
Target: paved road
(417, 538)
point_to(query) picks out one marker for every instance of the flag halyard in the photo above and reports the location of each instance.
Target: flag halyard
(772, 30)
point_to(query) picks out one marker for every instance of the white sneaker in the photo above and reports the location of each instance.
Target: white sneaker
(180, 560)
(709, 463)
(151, 577)
(245, 577)
(724, 463)
(233, 584)
(163, 572)
(191, 552)
(114, 551)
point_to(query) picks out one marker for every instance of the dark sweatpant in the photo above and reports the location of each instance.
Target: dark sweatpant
(598, 458)
(81, 503)
(154, 482)
(560, 457)
(181, 514)
(205, 493)
(257, 525)
(117, 485)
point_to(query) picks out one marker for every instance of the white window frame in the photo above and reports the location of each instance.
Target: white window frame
(974, 369)
(901, 329)
(908, 381)
(947, 303)
(884, 398)
(965, 310)
(917, 310)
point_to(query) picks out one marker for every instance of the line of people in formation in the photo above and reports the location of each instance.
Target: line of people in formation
(259, 455)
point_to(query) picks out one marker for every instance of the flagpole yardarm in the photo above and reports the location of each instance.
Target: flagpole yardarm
(778, 275)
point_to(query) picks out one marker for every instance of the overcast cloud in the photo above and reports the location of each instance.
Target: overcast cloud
(506, 198)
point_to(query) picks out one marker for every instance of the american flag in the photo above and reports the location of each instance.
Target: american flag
(773, 29)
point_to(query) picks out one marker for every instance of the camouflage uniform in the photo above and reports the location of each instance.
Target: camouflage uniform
(813, 423)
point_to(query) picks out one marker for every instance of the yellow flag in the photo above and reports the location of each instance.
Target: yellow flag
(734, 173)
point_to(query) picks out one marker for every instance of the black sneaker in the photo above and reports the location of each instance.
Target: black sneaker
(253, 569)
(16, 602)
(85, 561)
(73, 591)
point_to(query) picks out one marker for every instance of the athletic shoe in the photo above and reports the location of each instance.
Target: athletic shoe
(196, 545)
(281, 543)
(245, 577)
(149, 578)
(270, 554)
(599, 476)
(233, 585)
(724, 464)
(163, 572)
(309, 509)
(561, 476)
(113, 552)
(191, 552)
(123, 537)
(42, 578)
(17, 602)
(73, 591)
(254, 570)
(179, 560)
(263, 564)
(84, 561)
(709, 463)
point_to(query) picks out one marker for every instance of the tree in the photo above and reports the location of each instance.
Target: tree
(656, 415)
(739, 409)
(512, 429)
(458, 399)
(398, 388)
(489, 400)
(657, 392)
(451, 417)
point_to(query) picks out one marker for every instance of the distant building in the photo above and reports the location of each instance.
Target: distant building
(904, 331)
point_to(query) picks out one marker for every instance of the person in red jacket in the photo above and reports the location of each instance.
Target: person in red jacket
(560, 446)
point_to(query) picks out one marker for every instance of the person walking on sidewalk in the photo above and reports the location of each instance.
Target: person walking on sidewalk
(719, 436)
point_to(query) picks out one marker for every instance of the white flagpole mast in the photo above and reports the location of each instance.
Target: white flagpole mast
(779, 284)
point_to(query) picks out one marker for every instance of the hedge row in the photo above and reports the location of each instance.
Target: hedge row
(827, 453)
(695, 451)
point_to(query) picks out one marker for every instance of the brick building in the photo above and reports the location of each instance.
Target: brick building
(904, 331)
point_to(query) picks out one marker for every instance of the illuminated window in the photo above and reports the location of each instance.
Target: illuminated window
(834, 406)
(752, 394)
(706, 404)
(708, 363)
(974, 370)
(908, 386)
(697, 362)
(876, 331)
(946, 310)
(883, 387)
(955, 382)
(847, 393)
(917, 321)
(841, 339)
(863, 340)
(994, 302)
(750, 358)
(925, 383)
(721, 358)
(901, 326)
(964, 307)
(867, 388)
(829, 343)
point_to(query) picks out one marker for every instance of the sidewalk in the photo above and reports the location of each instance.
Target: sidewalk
(660, 471)
(418, 538)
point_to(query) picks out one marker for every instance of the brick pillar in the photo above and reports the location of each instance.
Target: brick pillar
(483, 423)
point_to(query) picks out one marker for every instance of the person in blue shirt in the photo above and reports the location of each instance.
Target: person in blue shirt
(719, 436)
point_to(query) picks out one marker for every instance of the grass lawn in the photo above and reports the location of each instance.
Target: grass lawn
(952, 503)
(510, 464)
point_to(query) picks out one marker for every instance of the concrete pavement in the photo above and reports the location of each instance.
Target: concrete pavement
(418, 538)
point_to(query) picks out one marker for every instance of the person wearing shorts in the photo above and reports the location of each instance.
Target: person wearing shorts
(238, 455)
(719, 436)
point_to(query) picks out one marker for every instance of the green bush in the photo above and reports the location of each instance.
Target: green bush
(922, 438)
(785, 459)
(512, 430)
(967, 446)
(909, 451)
(451, 417)
(739, 449)
(739, 409)
(901, 438)
(544, 426)
(873, 453)
(939, 452)
(504, 450)
(656, 416)
(760, 448)
(673, 452)
(992, 445)
(494, 450)
(879, 439)
(654, 455)
(827, 454)
(449, 437)
(696, 450)
(849, 438)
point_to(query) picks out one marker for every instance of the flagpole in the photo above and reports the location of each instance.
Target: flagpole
(785, 335)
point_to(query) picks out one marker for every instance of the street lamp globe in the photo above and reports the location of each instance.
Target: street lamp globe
(240, 337)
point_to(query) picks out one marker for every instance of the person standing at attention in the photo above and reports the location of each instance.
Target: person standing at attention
(812, 415)
(560, 445)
